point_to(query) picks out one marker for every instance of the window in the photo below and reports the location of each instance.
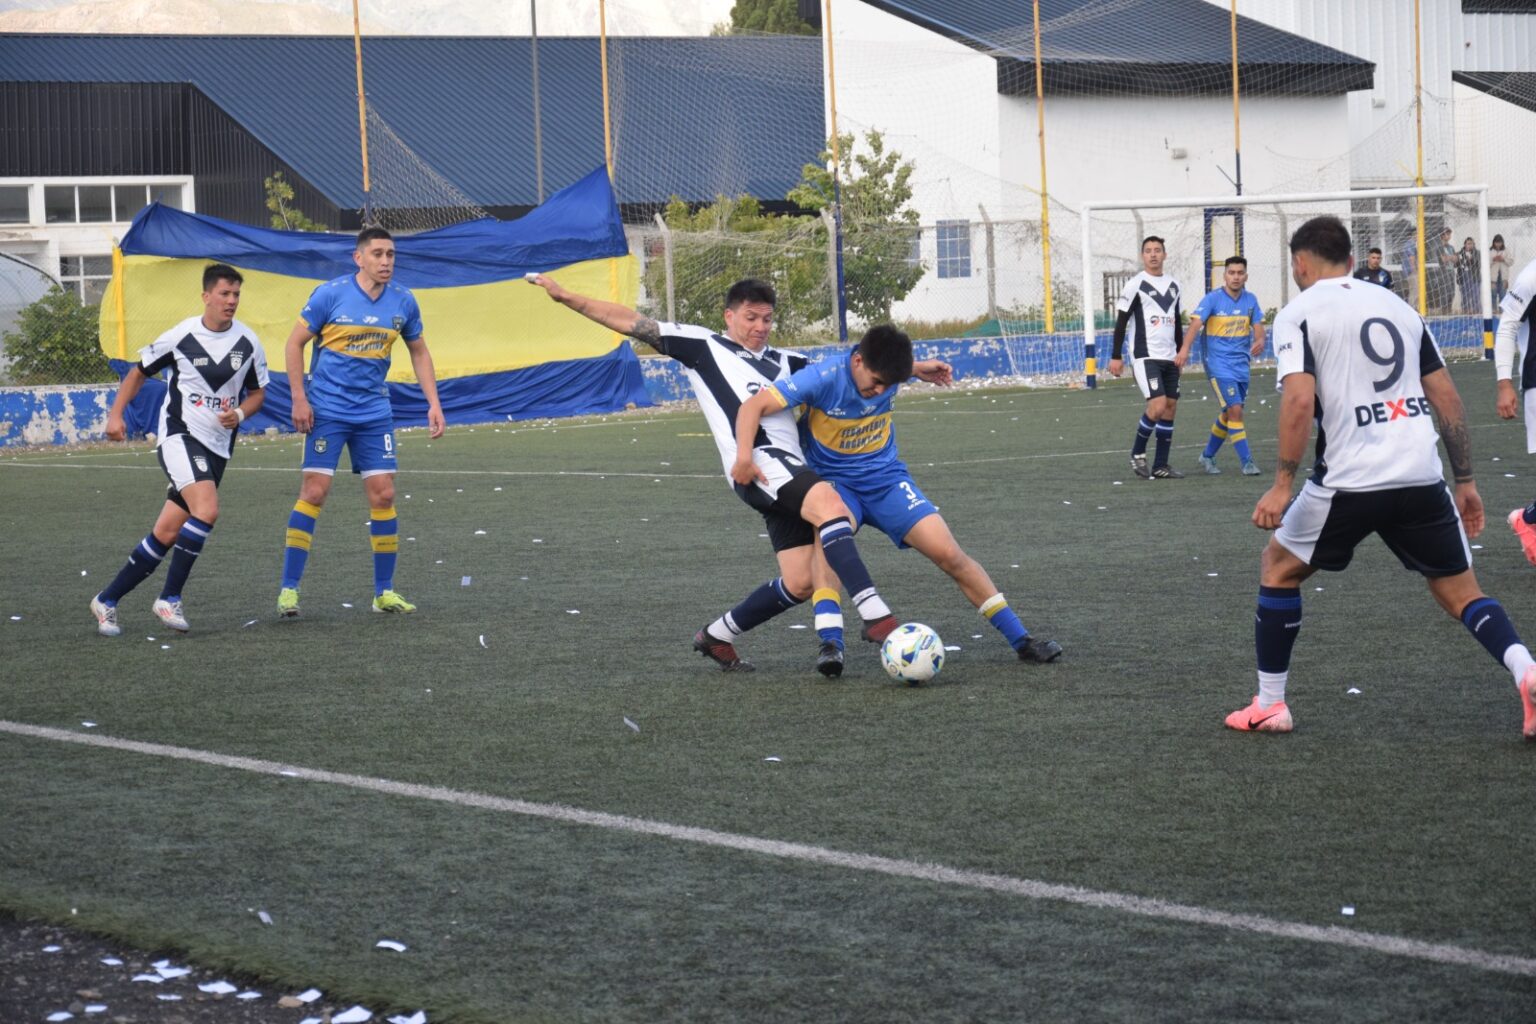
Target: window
(165, 195)
(13, 204)
(86, 276)
(915, 248)
(954, 241)
(95, 203)
(102, 204)
(129, 200)
(59, 204)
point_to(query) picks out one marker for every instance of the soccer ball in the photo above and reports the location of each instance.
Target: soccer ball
(912, 653)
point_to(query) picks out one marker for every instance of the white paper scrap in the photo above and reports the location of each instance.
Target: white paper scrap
(346, 604)
(798, 625)
(290, 774)
(168, 997)
(1353, 689)
(1347, 911)
(1066, 503)
(111, 961)
(52, 949)
(248, 996)
(262, 915)
(174, 972)
(309, 995)
(165, 647)
(60, 1015)
(17, 618)
(248, 624)
(84, 573)
(218, 988)
(479, 533)
(419, 1017)
(153, 979)
(95, 1007)
(573, 611)
(538, 540)
(495, 488)
(398, 947)
(482, 641)
(313, 1020)
(89, 725)
(774, 758)
(631, 724)
(1509, 476)
(464, 581)
(951, 647)
(1213, 574)
(356, 1015)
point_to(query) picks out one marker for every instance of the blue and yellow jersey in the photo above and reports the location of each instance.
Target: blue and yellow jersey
(352, 347)
(845, 435)
(1227, 325)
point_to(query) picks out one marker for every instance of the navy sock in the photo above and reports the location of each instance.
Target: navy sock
(1275, 627)
(189, 544)
(1164, 443)
(1490, 626)
(141, 564)
(1529, 515)
(842, 553)
(1143, 435)
(755, 609)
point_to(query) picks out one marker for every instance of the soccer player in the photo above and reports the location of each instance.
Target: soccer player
(1150, 314)
(725, 371)
(1233, 324)
(1373, 271)
(1365, 364)
(849, 439)
(357, 318)
(1517, 312)
(218, 377)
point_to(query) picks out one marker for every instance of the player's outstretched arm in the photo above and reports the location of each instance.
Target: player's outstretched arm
(1298, 402)
(1451, 419)
(426, 376)
(133, 380)
(617, 318)
(934, 371)
(293, 363)
(744, 471)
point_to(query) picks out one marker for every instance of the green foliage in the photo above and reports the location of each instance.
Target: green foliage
(778, 17)
(878, 225)
(56, 341)
(286, 216)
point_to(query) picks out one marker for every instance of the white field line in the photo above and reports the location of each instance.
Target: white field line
(1162, 910)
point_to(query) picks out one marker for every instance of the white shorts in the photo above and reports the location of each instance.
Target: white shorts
(1530, 421)
(187, 461)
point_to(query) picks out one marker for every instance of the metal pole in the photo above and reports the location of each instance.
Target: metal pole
(538, 127)
(838, 295)
(1418, 178)
(1045, 194)
(666, 252)
(986, 228)
(602, 44)
(1485, 289)
(362, 113)
(1090, 361)
(1237, 136)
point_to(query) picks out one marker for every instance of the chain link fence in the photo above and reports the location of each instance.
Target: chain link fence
(48, 335)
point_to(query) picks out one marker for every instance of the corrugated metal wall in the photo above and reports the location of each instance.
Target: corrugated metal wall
(76, 129)
(1498, 42)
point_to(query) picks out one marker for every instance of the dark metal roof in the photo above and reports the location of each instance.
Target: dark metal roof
(1136, 46)
(692, 117)
(1517, 87)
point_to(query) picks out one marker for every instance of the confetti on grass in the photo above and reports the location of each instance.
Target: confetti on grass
(398, 947)
(218, 988)
(356, 1015)
(631, 724)
(1347, 911)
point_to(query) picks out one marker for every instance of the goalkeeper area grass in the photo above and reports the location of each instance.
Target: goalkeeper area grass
(564, 813)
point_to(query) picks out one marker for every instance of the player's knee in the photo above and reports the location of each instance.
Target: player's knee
(381, 496)
(314, 488)
(798, 587)
(822, 504)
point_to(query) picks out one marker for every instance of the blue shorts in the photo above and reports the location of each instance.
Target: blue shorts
(1229, 390)
(892, 506)
(371, 446)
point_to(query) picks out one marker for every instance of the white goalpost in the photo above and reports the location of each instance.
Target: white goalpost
(1238, 206)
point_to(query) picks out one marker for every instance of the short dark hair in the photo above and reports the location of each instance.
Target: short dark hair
(370, 234)
(1154, 238)
(750, 290)
(1324, 237)
(887, 353)
(1374, 251)
(1236, 261)
(213, 273)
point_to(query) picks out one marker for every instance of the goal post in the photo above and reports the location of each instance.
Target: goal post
(1287, 209)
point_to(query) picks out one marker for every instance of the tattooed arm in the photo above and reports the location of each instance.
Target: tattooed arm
(617, 318)
(1451, 419)
(1298, 406)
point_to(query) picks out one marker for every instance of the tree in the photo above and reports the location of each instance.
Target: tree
(56, 341)
(778, 17)
(878, 225)
(285, 215)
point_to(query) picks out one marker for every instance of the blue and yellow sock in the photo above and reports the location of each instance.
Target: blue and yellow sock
(384, 533)
(828, 607)
(1219, 433)
(141, 564)
(1240, 440)
(1164, 442)
(301, 534)
(1143, 435)
(996, 611)
(189, 544)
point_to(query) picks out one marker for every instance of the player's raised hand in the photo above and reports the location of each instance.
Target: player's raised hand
(117, 430)
(549, 284)
(1470, 504)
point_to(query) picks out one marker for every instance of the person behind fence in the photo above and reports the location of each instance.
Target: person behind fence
(1232, 321)
(1442, 279)
(850, 440)
(218, 378)
(1373, 271)
(1365, 365)
(354, 321)
(1500, 263)
(1149, 313)
(1469, 275)
(1517, 312)
(798, 507)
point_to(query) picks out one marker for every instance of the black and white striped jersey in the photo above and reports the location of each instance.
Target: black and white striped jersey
(1150, 312)
(1369, 352)
(723, 375)
(209, 370)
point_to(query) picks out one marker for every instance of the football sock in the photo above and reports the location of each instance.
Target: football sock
(1218, 435)
(843, 556)
(1143, 435)
(755, 609)
(1275, 627)
(829, 616)
(384, 534)
(1164, 442)
(1486, 620)
(996, 611)
(189, 544)
(1529, 515)
(142, 562)
(1239, 439)
(301, 533)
